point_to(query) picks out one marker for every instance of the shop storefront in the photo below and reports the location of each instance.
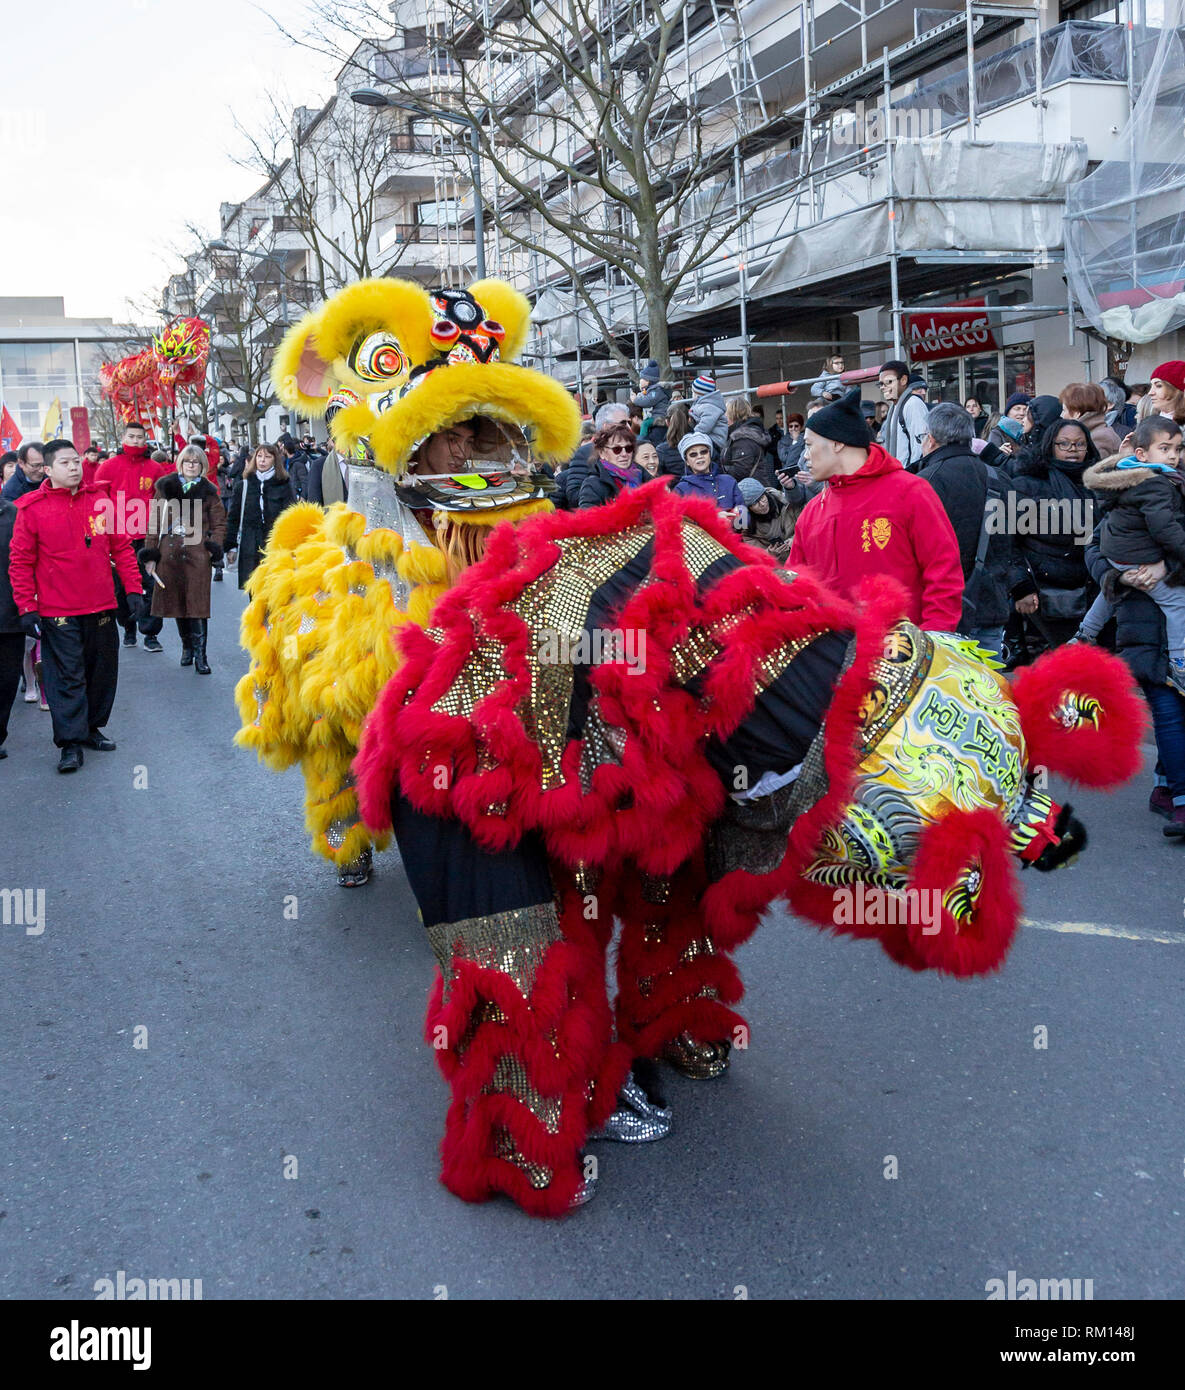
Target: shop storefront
(960, 357)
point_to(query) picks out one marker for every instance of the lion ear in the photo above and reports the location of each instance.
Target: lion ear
(302, 377)
(508, 307)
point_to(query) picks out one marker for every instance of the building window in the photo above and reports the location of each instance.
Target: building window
(1020, 372)
(443, 212)
(982, 379)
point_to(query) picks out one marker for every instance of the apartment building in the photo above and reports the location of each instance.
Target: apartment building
(902, 172)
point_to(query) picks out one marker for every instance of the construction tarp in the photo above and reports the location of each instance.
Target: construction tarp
(1125, 230)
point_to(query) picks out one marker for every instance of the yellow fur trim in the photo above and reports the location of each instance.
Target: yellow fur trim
(515, 395)
(398, 307)
(423, 564)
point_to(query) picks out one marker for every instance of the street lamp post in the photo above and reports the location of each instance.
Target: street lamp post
(370, 96)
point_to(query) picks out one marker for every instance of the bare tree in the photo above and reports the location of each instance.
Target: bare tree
(601, 155)
(331, 169)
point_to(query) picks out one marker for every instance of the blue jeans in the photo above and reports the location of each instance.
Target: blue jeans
(1168, 721)
(991, 639)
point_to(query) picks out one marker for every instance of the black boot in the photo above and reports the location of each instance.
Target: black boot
(197, 627)
(185, 629)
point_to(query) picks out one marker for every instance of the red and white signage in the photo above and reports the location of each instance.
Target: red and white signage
(932, 337)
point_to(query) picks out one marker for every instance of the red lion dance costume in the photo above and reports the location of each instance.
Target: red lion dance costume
(628, 713)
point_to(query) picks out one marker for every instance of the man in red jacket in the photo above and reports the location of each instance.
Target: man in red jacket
(63, 547)
(131, 476)
(875, 518)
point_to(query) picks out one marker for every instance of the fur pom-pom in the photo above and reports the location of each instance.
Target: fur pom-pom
(1081, 716)
(961, 843)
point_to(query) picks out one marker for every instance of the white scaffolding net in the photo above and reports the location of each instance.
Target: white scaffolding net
(1125, 223)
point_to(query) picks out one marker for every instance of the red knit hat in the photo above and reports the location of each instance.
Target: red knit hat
(1173, 373)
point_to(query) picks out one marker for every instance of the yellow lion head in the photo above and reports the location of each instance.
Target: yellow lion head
(393, 362)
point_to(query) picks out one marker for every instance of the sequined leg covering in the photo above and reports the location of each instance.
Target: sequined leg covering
(519, 1015)
(674, 984)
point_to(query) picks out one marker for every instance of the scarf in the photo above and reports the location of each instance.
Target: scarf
(623, 474)
(187, 484)
(1133, 462)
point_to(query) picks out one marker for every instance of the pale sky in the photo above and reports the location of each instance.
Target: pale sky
(116, 131)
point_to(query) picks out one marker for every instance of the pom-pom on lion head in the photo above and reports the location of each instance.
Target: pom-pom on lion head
(391, 363)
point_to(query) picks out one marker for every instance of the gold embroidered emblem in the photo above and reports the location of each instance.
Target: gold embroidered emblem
(882, 531)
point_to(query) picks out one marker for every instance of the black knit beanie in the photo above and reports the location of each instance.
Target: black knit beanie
(843, 421)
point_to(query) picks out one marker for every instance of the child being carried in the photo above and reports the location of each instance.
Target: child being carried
(1145, 526)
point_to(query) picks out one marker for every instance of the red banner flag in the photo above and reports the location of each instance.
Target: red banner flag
(10, 436)
(80, 427)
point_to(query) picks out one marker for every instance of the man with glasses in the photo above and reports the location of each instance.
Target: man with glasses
(28, 475)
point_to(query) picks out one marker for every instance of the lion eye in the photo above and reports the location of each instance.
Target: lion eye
(378, 357)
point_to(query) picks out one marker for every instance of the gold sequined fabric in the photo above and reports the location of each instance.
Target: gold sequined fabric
(513, 942)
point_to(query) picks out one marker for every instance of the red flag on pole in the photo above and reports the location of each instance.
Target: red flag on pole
(80, 427)
(10, 436)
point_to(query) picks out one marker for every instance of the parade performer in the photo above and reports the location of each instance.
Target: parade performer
(336, 583)
(629, 714)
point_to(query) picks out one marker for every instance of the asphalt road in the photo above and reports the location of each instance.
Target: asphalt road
(270, 1038)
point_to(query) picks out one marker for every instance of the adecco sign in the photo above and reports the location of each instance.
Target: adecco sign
(935, 336)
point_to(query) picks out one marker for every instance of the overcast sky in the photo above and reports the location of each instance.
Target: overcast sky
(116, 131)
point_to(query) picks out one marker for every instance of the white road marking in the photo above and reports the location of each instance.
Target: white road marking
(1103, 929)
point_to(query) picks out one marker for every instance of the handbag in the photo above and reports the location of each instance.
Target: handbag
(1065, 604)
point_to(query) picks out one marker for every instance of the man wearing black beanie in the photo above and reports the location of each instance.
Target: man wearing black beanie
(874, 518)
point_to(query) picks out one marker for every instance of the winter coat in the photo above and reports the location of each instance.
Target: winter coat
(719, 488)
(708, 417)
(1146, 522)
(131, 476)
(575, 474)
(1140, 633)
(775, 530)
(670, 461)
(257, 522)
(63, 547)
(656, 400)
(790, 452)
(600, 486)
(9, 617)
(883, 520)
(298, 471)
(747, 452)
(1106, 441)
(960, 478)
(1048, 548)
(18, 486)
(828, 385)
(906, 426)
(186, 539)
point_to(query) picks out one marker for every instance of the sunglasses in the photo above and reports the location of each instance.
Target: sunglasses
(620, 449)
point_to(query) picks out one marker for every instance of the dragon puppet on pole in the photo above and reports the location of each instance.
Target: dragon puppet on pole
(624, 714)
(146, 383)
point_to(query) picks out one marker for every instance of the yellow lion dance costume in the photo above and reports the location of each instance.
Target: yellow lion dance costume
(336, 584)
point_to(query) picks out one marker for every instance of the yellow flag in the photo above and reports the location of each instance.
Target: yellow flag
(53, 422)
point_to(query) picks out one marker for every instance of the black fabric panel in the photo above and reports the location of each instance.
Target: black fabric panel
(786, 716)
(453, 879)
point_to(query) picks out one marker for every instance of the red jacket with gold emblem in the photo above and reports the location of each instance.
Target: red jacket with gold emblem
(131, 476)
(63, 547)
(883, 520)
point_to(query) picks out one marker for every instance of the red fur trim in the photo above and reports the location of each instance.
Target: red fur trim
(945, 849)
(561, 1036)
(1102, 757)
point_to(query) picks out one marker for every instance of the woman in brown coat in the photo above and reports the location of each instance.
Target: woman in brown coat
(184, 543)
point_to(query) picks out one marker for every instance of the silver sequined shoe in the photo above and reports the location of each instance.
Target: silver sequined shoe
(637, 1120)
(583, 1194)
(356, 874)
